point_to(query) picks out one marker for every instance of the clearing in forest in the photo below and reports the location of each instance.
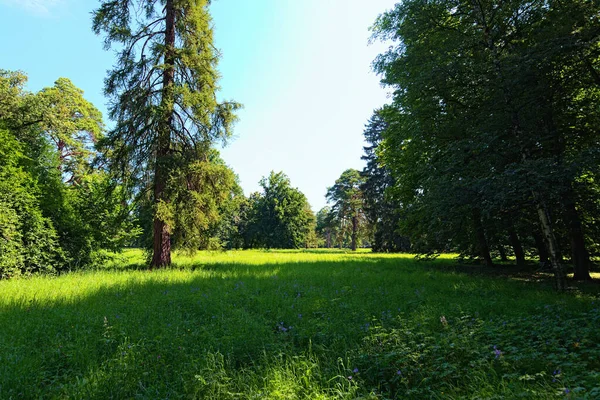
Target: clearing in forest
(295, 324)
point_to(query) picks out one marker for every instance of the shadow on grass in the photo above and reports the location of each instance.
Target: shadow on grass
(214, 329)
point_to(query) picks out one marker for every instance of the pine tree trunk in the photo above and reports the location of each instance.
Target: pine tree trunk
(354, 232)
(484, 249)
(517, 247)
(162, 236)
(580, 255)
(541, 247)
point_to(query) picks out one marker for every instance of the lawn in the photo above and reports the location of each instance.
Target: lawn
(293, 325)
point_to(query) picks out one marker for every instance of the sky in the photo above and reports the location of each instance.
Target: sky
(301, 68)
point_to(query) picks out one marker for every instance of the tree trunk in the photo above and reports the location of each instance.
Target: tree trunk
(502, 253)
(580, 255)
(484, 249)
(354, 232)
(541, 247)
(559, 273)
(162, 233)
(517, 247)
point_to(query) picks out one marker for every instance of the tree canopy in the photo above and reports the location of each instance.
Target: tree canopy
(280, 216)
(490, 128)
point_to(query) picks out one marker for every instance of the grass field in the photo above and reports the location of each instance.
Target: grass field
(295, 325)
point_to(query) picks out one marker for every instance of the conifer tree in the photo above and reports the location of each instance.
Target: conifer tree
(163, 93)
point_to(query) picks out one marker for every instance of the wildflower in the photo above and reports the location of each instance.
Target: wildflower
(443, 320)
(497, 352)
(355, 370)
(350, 377)
(398, 372)
(567, 391)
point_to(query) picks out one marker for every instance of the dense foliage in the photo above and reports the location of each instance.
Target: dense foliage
(346, 217)
(492, 132)
(279, 217)
(56, 209)
(163, 93)
(382, 210)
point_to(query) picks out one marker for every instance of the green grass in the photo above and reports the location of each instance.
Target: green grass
(293, 325)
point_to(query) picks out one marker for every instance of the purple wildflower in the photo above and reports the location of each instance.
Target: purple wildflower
(355, 370)
(497, 352)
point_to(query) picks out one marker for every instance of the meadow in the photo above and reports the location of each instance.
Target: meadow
(296, 325)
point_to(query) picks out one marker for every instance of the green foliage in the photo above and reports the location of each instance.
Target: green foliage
(280, 217)
(295, 324)
(381, 209)
(72, 124)
(201, 188)
(28, 241)
(489, 125)
(348, 210)
(57, 209)
(163, 91)
(230, 229)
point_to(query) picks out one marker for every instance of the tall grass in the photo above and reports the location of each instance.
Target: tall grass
(289, 324)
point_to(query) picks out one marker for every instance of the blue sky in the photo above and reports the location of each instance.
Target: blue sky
(302, 69)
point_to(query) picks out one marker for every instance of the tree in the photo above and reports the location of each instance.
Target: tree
(383, 212)
(28, 240)
(325, 227)
(489, 120)
(163, 93)
(281, 217)
(348, 202)
(73, 124)
(59, 208)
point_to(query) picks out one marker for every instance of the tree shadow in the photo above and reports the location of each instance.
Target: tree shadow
(158, 334)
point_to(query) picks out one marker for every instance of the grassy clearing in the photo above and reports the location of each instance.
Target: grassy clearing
(288, 324)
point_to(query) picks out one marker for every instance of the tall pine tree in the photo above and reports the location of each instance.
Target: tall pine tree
(163, 93)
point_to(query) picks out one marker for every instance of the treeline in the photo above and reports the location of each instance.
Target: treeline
(57, 207)
(489, 147)
(491, 139)
(61, 207)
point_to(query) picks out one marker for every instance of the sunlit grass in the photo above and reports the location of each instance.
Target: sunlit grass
(293, 324)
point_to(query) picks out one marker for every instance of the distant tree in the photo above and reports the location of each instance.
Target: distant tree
(280, 217)
(229, 229)
(163, 93)
(325, 228)
(382, 211)
(347, 201)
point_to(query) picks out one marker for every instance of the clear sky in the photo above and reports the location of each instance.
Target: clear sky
(302, 69)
